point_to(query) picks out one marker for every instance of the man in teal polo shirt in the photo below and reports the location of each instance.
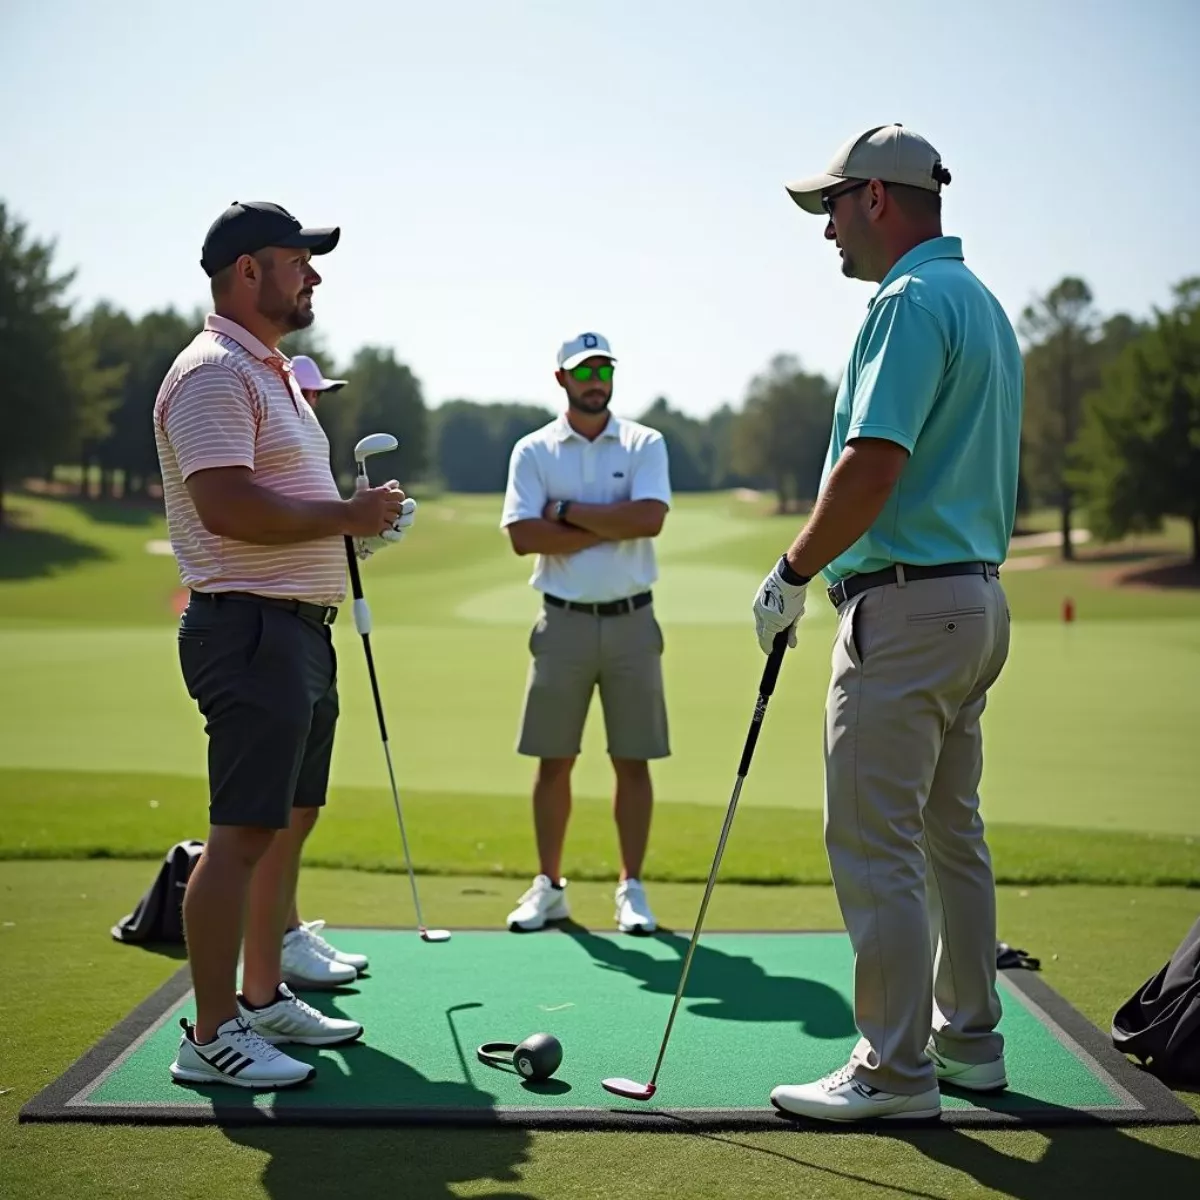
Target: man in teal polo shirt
(912, 522)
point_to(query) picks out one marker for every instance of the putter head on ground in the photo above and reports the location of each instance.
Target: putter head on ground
(629, 1088)
(435, 935)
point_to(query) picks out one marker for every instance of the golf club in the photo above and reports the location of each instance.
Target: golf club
(630, 1088)
(379, 443)
(462, 1058)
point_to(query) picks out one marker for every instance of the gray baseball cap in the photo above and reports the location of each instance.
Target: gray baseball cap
(889, 153)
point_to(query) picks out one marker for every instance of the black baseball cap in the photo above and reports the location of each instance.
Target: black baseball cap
(247, 227)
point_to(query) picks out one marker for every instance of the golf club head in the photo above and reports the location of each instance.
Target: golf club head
(435, 935)
(374, 443)
(628, 1088)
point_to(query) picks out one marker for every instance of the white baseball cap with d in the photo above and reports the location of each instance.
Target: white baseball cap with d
(889, 153)
(309, 378)
(586, 345)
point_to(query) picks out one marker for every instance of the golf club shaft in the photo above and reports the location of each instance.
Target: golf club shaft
(356, 588)
(765, 688)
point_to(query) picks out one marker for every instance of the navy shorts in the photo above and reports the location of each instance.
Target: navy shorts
(265, 680)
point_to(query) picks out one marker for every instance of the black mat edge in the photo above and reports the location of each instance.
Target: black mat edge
(52, 1104)
(1161, 1104)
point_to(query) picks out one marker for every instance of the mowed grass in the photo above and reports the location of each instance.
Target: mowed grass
(79, 815)
(66, 982)
(1091, 763)
(1088, 728)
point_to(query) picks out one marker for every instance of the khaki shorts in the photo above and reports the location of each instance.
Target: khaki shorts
(573, 653)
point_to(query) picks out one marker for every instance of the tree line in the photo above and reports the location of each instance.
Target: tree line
(1112, 417)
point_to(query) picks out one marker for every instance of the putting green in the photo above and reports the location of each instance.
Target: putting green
(760, 1009)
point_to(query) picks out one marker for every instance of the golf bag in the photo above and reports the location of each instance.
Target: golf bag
(159, 914)
(1160, 1023)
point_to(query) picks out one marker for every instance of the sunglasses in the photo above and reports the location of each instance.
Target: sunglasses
(828, 202)
(583, 374)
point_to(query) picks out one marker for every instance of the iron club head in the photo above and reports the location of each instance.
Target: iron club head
(374, 443)
(628, 1088)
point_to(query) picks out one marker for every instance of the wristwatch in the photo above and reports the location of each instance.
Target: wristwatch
(788, 575)
(560, 510)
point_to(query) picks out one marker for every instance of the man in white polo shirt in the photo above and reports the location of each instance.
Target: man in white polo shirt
(587, 493)
(257, 526)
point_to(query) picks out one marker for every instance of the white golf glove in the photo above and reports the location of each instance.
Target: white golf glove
(778, 605)
(365, 547)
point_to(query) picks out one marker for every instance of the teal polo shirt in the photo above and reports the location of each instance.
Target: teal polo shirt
(937, 369)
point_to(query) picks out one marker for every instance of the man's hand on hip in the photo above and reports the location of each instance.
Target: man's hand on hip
(778, 605)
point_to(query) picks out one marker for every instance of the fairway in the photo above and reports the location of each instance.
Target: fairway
(1086, 729)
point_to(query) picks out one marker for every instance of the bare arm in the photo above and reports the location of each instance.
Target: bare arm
(539, 536)
(621, 521)
(854, 495)
(231, 504)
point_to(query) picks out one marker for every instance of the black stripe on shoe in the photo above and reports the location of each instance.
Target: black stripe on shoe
(221, 1058)
(239, 1067)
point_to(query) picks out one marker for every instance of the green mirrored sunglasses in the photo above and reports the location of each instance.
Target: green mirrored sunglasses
(583, 374)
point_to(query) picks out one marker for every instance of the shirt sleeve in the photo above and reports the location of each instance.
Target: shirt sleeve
(903, 362)
(651, 472)
(525, 496)
(211, 420)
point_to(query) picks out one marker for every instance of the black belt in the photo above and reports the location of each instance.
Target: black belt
(609, 608)
(319, 614)
(847, 589)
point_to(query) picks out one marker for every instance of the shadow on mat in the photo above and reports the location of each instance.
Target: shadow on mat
(736, 987)
(380, 1161)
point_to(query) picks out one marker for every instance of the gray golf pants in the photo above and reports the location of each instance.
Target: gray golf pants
(912, 665)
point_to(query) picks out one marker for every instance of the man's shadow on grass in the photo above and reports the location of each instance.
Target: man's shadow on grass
(348, 1160)
(731, 987)
(1092, 1159)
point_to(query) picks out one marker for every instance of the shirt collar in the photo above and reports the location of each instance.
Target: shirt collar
(244, 338)
(564, 432)
(923, 252)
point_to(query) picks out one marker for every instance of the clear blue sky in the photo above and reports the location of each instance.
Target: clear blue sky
(508, 174)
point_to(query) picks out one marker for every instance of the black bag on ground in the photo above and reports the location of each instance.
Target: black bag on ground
(1160, 1023)
(159, 914)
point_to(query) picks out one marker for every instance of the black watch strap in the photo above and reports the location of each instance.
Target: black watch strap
(789, 576)
(560, 510)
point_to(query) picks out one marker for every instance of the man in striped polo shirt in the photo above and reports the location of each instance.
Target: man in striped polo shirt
(257, 527)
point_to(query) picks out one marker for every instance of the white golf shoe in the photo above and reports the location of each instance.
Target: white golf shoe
(841, 1097)
(304, 966)
(237, 1056)
(289, 1019)
(312, 935)
(541, 903)
(972, 1077)
(633, 913)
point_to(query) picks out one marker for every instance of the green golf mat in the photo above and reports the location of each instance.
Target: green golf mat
(759, 1009)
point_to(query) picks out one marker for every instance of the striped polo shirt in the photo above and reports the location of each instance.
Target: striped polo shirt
(230, 401)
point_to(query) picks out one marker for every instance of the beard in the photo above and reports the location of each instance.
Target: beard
(591, 401)
(284, 312)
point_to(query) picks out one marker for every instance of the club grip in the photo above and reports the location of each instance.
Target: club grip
(770, 677)
(352, 562)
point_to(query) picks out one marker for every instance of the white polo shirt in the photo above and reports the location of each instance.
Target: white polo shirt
(627, 461)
